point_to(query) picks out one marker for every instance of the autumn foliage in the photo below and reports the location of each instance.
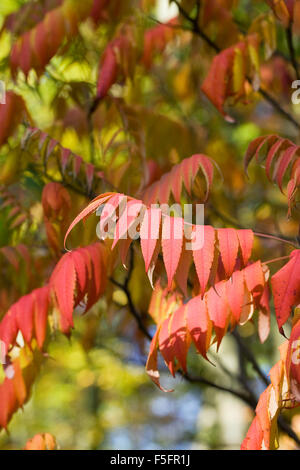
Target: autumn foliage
(153, 123)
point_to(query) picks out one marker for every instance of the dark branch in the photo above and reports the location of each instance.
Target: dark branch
(250, 357)
(125, 289)
(202, 381)
(292, 52)
(278, 108)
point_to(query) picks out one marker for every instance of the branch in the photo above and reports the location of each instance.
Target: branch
(278, 107)
(125, 289)
(198, 9)
(292, 52)
(132, 308)
(250, 357)
(202, 381)
(276, 238)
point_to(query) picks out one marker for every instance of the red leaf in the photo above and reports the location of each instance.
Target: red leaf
(183, 268)
(203, 257)
(41, 442)
(215, 85)
(229, 246)
(254, 438)
(41, 314)
(24, 313)
(151, 366)
(37, 46)
(199, 324)
(218, 309)
(172, 239)
(281, 153)
(185, 173)
(11, 114)
(283, 164)
(126, 220)
(92, 207)
(286, 288)
(246, 244)
(9, 328)
(178, 336)
(156, 39)
(235, 289)
(108, 72)
(166, 345)
(273, 153)
(63, 281)
(253, 147)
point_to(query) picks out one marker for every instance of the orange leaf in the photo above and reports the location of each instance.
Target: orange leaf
(172, 239)
(286, 288)
(229, 246)
(203, 257)
(199, 324)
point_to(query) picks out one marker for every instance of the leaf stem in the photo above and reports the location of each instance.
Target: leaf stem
(281, 258)
(273, 237)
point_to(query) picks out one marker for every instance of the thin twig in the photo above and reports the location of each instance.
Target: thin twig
(125, 288)
(273, 237)
(275, 260)
(132, 309)
(250, 357)
(198, 10)
(278, 107)
(292, 52)
(203, 381)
